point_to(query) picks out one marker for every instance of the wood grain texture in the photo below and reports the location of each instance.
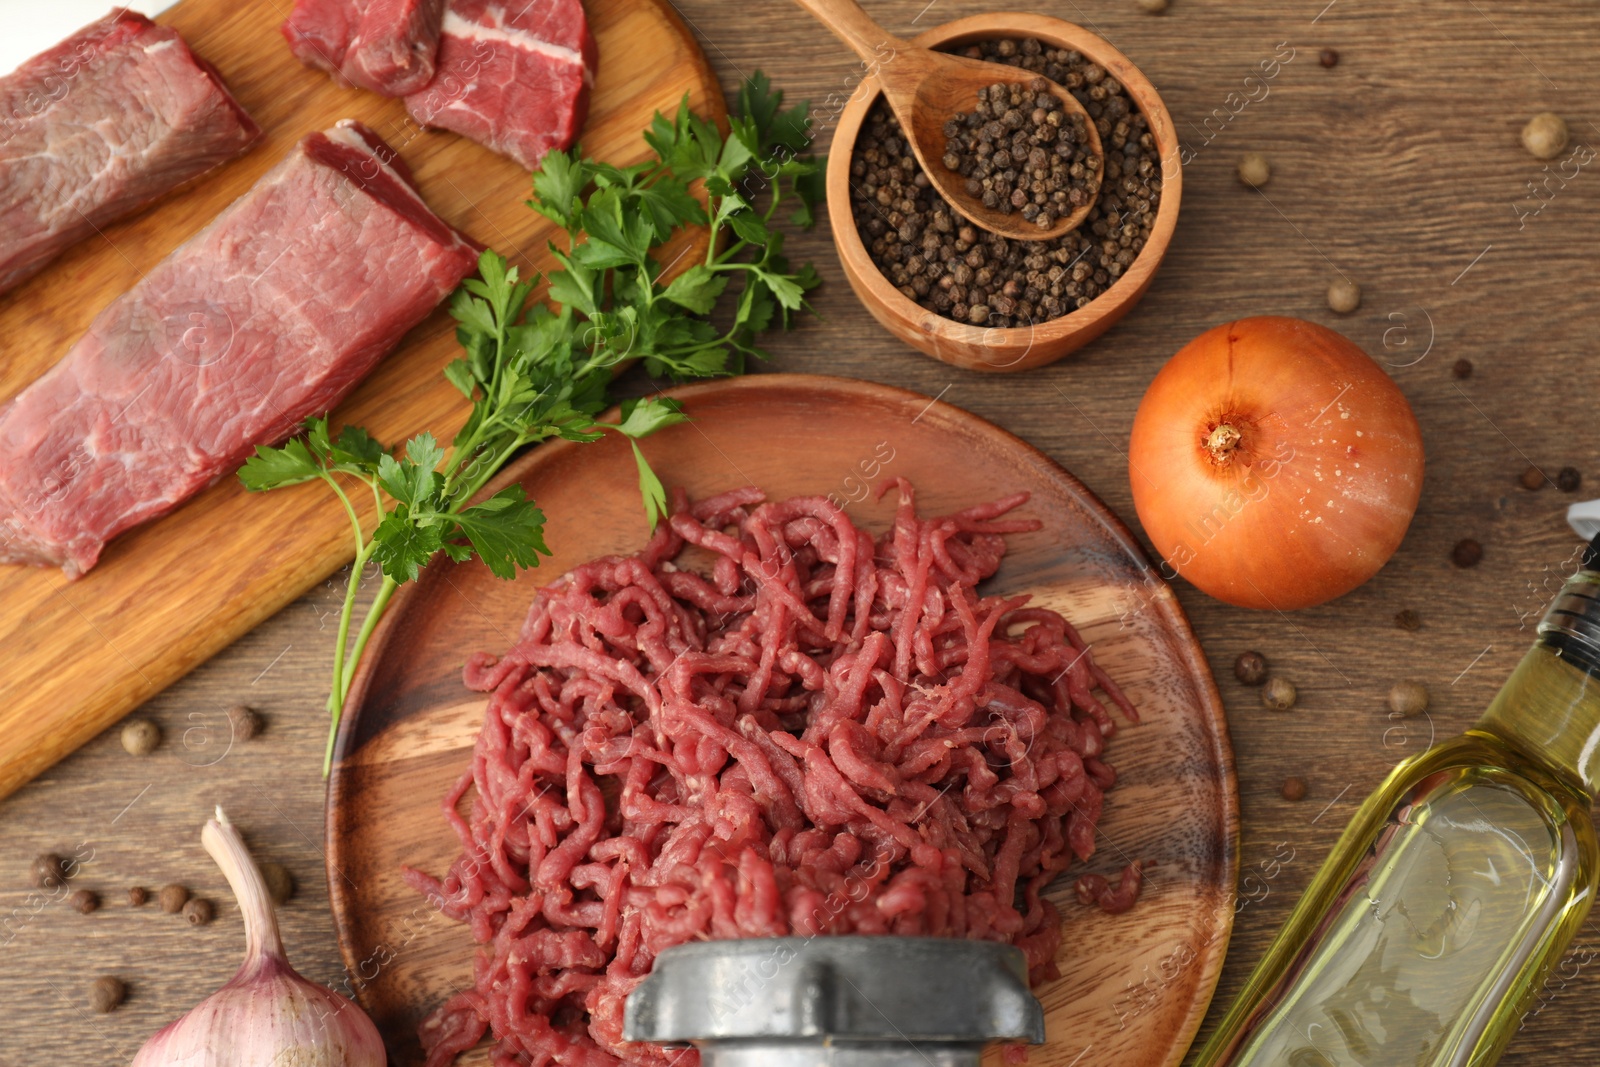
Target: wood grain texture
(1398, 167)
(168, 594)
(411, 724)
(1018, 348)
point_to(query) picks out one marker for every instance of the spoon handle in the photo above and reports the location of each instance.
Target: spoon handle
(854, 27)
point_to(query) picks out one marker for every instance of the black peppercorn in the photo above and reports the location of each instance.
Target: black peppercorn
(1094, 256)
(173, 898)
(1408, 620)
(48, 872)
(1328, 58)
(1250, 668)
(1568, 479)
(106, 993)
(280, 884)
(1467, 553)
(244, 721)
(1462, 368)
(1293, 789)
(84, 901)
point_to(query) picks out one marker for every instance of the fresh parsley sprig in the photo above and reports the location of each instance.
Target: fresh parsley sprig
(534, 371)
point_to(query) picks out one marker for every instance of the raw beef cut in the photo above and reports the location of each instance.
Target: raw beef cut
(513, 75)
(271, 313)
(387, 46)
(99, 126)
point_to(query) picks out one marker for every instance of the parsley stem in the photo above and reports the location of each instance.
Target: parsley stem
(339, 689)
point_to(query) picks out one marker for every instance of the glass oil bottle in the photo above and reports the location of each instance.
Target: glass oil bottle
(1455, 888)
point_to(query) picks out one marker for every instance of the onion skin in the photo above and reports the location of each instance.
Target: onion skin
(1274, 464)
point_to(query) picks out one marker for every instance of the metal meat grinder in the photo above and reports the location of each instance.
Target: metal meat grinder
(836, 1001)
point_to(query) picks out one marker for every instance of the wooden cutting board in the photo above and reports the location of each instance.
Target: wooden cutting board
(1134, 986)
(76, 656)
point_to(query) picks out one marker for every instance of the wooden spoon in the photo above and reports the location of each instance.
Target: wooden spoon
(925, 89)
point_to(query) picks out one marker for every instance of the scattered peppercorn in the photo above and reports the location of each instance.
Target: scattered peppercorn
(1532, 479)
(1568, 479)
(280, 884)
(1545, 135)
(1250, 668)
(140, 737)
(1279, 694)
(1467, 553)
(1020, 150)
(1328, 58)
(1344, 296)
(1293, 789)
(1461, 368)
(173, 898)
(47, 872)
(198, 911)
(245, 722)
(1408, 698)
(1254, 170)
(84, 901)
(1408, 620)
(105, 993)
(137, 895)
(959, 271)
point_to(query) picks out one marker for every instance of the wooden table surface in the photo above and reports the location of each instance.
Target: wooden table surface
(1399, 168)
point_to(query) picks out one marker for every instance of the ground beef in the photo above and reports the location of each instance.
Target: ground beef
(765, 723)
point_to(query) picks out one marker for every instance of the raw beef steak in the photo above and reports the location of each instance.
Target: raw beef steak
(270, 314)
(513, 75)
(99, 126)
(387, 46)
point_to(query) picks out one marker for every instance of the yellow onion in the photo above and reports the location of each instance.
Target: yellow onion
(1274, 464)
(266, 1014)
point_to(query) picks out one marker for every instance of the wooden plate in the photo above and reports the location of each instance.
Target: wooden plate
(1135, 985)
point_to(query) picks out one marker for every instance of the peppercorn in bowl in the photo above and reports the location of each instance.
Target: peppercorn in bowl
(970, 297)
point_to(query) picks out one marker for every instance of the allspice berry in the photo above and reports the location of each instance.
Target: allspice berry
(1545, 135)
(1568, 479)
(1250, 668)
(47, 872)
(1461, 369)
(140, 737)
(1344, 296)
(1279, 694)
(84, 901)
(1467, 553)
(1408, 699)
(198, 911)
(1253, 169)
(1531, 479)
(244, 721)
(137, 895)
(106, 993)
(280, 884)
(1328, 58)
(1407, 620)
(173, 898)
(1293, 788)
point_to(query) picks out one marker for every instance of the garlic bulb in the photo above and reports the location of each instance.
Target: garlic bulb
(266, 1014)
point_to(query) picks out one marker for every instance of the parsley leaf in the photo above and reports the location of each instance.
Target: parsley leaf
(537, 370)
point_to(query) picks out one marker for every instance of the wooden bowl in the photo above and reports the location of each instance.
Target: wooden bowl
(1016, 348)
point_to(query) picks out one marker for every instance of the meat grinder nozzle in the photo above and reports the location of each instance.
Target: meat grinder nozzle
(836, 1001)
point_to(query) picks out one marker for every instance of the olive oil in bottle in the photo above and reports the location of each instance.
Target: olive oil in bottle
(1456, 886)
